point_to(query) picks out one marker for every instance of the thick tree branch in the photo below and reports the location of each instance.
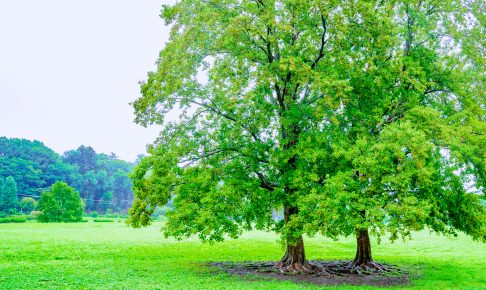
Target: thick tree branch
(265, 183)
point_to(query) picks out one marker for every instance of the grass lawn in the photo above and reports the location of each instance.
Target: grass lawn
(114, 256)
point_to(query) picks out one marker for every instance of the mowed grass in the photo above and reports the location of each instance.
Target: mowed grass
(114, 256)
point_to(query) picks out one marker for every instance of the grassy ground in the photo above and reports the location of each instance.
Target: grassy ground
(113, 256)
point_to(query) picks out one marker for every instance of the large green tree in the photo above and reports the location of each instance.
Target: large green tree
(8, 196)
(406, 145)
(61, 203)
(232, 157)
(345, 115)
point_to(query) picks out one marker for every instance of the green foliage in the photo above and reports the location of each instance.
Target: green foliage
(27, 204)
(103, 220)
(160, 212)
(84, 157)
(13, 219)
(8, 195)
(61, 203)
(36, 167)
(348, 115)
(33, 165)
(103, 179)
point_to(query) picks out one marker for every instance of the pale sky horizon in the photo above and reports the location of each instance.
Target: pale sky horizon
(69, 69)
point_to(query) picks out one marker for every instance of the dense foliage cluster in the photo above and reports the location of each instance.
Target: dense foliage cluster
(8, 195)
(347, 116)
(27, 204)
(101, 179)
(61, 203)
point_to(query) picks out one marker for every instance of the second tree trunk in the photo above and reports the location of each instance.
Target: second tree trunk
(363, 259)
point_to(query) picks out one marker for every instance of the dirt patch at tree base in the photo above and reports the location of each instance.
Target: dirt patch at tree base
(333, 273)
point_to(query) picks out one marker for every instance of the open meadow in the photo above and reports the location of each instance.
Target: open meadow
(114, 256)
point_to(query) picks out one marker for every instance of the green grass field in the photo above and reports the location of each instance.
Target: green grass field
(114, 256)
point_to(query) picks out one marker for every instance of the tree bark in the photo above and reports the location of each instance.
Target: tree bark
(363, 249)
(294, 260)
(363, 259)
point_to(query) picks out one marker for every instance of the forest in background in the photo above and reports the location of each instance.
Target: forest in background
(102, 180)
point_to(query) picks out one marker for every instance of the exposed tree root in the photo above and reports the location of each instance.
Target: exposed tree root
(360, 268)
(322, 272)
(299, 268)
(294, 262)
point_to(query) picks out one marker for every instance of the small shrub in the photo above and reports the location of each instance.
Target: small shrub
(18, 219)
(14, 219)
(103, 220)
(35, 214)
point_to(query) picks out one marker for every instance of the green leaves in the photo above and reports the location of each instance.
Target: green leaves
(61, 203)
(348, 115)
(8, 195)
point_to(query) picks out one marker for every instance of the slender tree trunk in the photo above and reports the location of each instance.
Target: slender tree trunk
(363, 259)
(294, 260)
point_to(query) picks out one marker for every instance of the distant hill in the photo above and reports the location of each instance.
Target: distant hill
(101, 179)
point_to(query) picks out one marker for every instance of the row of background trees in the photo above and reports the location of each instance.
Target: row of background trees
(27, 168)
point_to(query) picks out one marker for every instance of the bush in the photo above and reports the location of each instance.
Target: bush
(30, 218)
(61, 204)
(111, 215)
(35, 214)
(27, 204)
(14, 219)
(103, 220)
(93, 214)
(18, 219)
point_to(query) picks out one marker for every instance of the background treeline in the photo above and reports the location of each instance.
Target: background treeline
(102, 180)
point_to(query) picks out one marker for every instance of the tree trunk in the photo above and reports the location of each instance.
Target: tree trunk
(363, 249)
(294, 260)
(363, 259)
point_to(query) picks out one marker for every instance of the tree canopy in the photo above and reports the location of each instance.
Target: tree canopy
(8, 195)
(345, 115)
(27, 204)
(61, 203)
(101, 179)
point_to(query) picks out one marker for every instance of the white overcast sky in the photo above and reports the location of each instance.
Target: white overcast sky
(69, 68)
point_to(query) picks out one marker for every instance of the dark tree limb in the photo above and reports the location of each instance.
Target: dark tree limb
(323, 42)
